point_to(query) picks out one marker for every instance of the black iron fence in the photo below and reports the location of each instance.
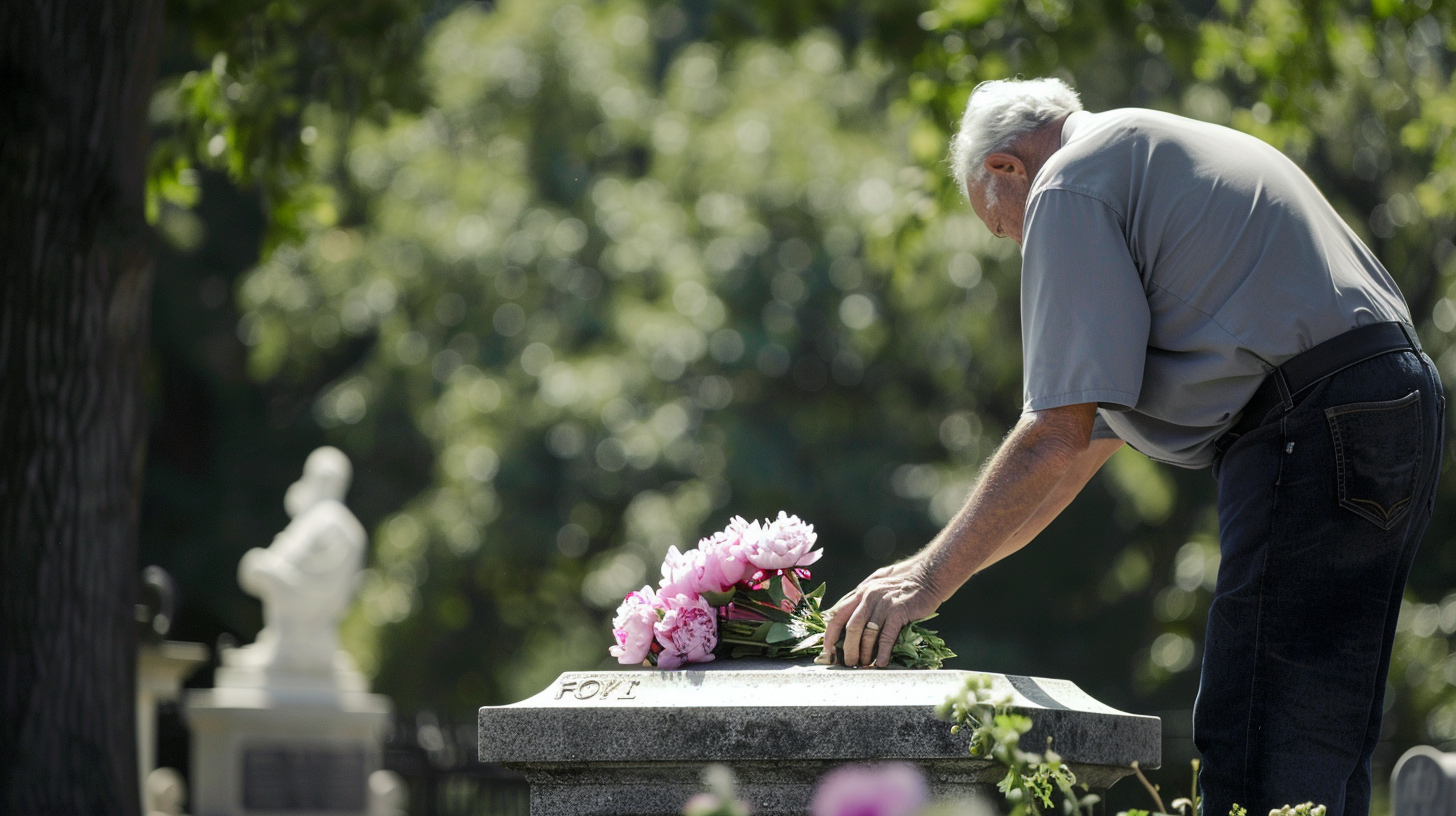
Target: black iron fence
(437, 759)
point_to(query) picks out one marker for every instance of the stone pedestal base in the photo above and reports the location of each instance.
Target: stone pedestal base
(256, 753)
(636, 743)
(770, 788)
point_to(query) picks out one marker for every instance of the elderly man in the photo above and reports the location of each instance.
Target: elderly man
(1187, 290)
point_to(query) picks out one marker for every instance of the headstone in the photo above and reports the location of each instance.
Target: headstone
(290, 727)
(161, 670)
(162, 665)
(613, 743)
(1424, 783)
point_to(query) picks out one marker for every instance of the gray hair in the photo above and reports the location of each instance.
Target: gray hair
(1001, 111)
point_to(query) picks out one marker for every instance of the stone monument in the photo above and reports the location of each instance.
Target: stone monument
(613, 743)
(1424, 783)
(290, 726)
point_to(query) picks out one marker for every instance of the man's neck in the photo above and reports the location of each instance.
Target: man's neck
(1037, 147)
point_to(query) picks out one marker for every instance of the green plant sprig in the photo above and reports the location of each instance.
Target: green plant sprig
(799, 631)
(1031, 778)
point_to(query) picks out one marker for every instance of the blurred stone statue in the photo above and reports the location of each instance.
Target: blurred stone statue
(387, 794)
(164, 792)
(306, 579)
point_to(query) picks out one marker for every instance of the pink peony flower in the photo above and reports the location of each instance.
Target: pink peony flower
(690, 573)
(724, 551)
(688, 631)
(633, 626)
(785, 542)
(715, 566)
(891, 789)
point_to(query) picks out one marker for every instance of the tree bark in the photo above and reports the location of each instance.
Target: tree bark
(75, 276)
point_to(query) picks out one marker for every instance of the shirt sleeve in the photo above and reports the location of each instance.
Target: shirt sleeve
(1084, 313)
(1100, 428)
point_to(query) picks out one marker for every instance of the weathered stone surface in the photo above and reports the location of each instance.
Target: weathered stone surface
(635, 742)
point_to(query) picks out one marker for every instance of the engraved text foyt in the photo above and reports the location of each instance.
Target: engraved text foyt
(600, 689)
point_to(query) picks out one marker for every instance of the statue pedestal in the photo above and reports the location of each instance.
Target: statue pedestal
(613, 743)
(291, 727)
(266, 743)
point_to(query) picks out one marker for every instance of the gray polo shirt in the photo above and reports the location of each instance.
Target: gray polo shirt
(1168, 265)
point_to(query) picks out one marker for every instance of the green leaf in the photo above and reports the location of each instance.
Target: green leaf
(717, 599)
(811, 642)
(778, 633)
(776, 591)
(756, 595)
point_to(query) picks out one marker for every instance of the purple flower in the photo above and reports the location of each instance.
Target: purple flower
(633, 626)
(688, 631)
(891, 789)
(784, 543)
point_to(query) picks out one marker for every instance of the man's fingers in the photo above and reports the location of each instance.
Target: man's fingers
(834, 622)
(854, 633)
(885, 648)
(867, 642)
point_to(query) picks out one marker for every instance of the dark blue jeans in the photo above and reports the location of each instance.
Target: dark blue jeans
(1320, 509)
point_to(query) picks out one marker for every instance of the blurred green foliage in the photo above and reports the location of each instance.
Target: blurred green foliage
(625, 313)
(575, 281)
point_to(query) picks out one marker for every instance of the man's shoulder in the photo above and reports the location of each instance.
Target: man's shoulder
(1130, 123)
(1092, 136)
(1093, 153)
(1106, 151)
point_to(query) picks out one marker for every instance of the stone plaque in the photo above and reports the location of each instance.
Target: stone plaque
(304, 778)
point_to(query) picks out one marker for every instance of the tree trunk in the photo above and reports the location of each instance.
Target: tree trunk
(75, 279)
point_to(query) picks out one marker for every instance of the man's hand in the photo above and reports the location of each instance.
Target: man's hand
(1042, 465)
(871, 617)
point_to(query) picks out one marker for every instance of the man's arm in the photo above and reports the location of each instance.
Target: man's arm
(1035, 473)
(1077, 476)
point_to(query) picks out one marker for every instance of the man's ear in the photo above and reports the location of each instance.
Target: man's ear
(1005, 164)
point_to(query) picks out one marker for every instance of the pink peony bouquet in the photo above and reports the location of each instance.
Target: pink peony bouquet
(740, 594)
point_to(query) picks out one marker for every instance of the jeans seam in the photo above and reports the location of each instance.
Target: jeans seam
(1374, 405)
(1339, 457)
(1259, 623)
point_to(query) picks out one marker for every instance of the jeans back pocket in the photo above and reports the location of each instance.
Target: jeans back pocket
(1377, 456)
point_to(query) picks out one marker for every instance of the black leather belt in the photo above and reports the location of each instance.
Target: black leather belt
(1302, 371)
